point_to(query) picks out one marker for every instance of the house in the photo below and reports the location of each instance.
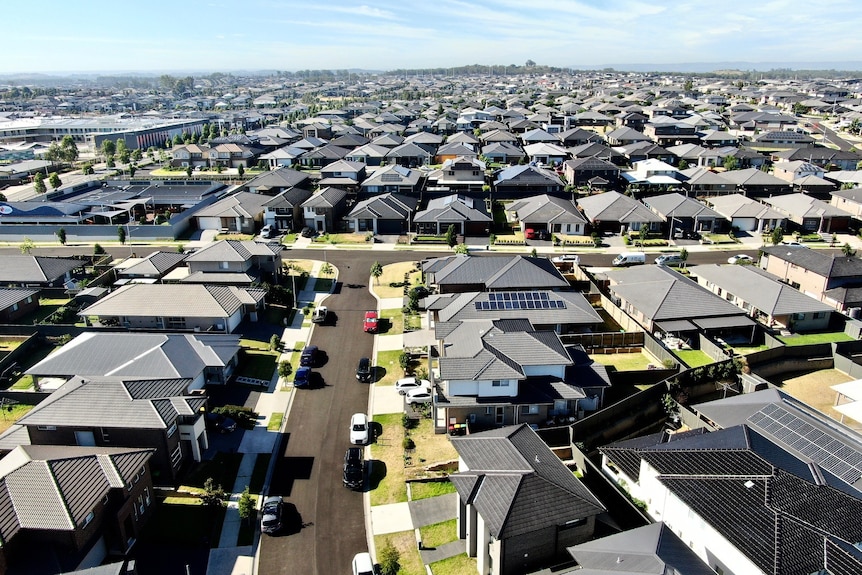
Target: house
(850, 201)
(342, 173)
(193, 155)
(623, 136)
(409, 155)
(468, 216)
(276, 181)
(319, 158)
(544, 212)
(284, 210)
(810, 215)
(756, 183)
(591, 171)
(521, 181)
(392, 179)
(519, 507)
(546, 154)
(16, 303)
(747, 214)
(369, 154)
(36, 271)
(461, 174)
(150, 269)
(457, 274)
(653, 174)
(68, 508)
(323, 210)
(763, 297)
(834, 280)
(503, 153)
(577, 137)
(159, 415)
(683, 212)
(783, 139)
(640, 151)
(597, 150)
(202, 359)
(239, 212)
(792, 170)
(614, 212)
(662, 300)
(703, 182)
(668, 131)
(774, 466)
(260, 260)
(826, 158)
(382, 214)
(178, 307)
(454, 150)
(231, 155)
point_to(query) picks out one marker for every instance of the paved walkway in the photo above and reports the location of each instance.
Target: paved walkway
(433, 509)
(445, 551)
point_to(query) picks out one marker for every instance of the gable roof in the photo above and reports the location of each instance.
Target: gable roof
(282, 177)
(613, 206)
(35, 269)
(453, 208)
(240, 204)
(678, 206)
(155, 264)
(828, 265)
(392, 174)
(496, 272)
(233, 251)
(546, 209)
(175, 300)
(386, 206)
(328, 197)
(739, 206)
(11, 296)
(526, 175)
(805, 206)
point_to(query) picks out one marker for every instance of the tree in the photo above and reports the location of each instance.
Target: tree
(274, 342)
(376, 272)
(240, 170)
(285, 369)
(98, 249)
(54, 154)
(39, 183)
(87, 169)
(61, 236)
(683, 255)
(121, 234)
(776, 236)
(68, 149)
(462, 250)
(390, 560)
(245, 505)
(54, 180)
(189, 171)
(451, 236)
(213, 495)
(404, 361)
(530, 64)
(326, 269)
(27, 246)
(730, 163)
(108, 148)
(137, 155)
(109, 161)
(847, 250)
(132, 169)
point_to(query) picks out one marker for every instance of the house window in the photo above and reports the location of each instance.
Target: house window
(106, 437)
(529, 409)
(46, 427)
(14, 307)
(90, 516)
(819, 315)
(500, 383)
(176, 323)
(489, 411)
(224, 265)
(172, 429)
(176, 455)
(147, 495)
(30, 299)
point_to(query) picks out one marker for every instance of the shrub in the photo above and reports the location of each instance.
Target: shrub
(408, 422)
(408, 443)
(390, 560)
(244, 416)
(274, 342)
(285, 369)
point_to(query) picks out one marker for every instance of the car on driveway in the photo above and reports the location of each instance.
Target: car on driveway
(220, 422)
(362, 564)
(371, 320)
(270, 520)
(363, 370)
(740, 259)
(354, 468)
(403, 385)
(531, 234)
(418, 396)
(307, 232)
(359, 429)
(308, 357)
(302, 377)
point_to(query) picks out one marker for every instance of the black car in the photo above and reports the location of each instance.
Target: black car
(354, 468)
(363, 370)
(220, 422)
(308, 357)
(270, 517)
(307, 232)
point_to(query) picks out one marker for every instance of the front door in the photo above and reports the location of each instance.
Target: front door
(500, 415)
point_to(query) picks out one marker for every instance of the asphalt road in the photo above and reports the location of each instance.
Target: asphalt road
(832, 137)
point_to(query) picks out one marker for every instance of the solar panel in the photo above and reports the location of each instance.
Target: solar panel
(519, 300)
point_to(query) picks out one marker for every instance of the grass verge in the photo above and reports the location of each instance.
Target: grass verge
(439, 533)
(392, 274)
(387, 472)
(394, 321)
(275, 421)
(405, 543)
(388, 361)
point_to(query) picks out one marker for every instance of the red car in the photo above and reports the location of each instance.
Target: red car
(370, 322)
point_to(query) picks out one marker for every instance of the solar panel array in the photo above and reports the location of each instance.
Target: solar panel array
(834, 455)
(390, 178)
(519, 300)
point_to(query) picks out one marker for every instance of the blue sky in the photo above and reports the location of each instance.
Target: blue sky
(221, 35)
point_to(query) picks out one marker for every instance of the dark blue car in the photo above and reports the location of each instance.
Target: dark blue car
(302, 377)
(308, 356)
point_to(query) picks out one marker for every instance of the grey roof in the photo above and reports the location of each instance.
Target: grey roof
(282, 177)
(573, 308)
(613, 206)
(11, 296)
(139, 355)
(527, 175)
(240, 204)
(35, 269)
(517, 484)
(828, 265)
(155, 264)
(661, 293)
(56, 487)
(328, 197)
(739, 206)
(546, 209)
(760, 289)
(386, 206)
(393, 175)
(288, 199)
(496, 272)
(224, 278)
(174, 300)
(233, 251)
(805, 206)
(453, 208)
(753, 177)
(679, 206)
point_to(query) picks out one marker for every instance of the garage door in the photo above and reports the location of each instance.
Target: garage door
(390, 226)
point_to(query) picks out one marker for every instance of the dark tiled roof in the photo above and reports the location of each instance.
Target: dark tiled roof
(823, 264)
(35, 269)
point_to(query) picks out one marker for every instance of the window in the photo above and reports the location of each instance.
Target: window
(14, 307)
(176, 455)
(500, 383)
(47, 428)
(106, 437)
(172, 429)
(489, 411)
(819, 315)
(224, 265)
(529, 409)
(147, 495)
(90, 516)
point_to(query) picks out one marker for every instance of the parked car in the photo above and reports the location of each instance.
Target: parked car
(308, 357)
(371, 320)
(681, 234)
(740, 259)
(792, 244)
(531, 234)
(270, 520)
(567, 259)
(307, 232)
(669, 260)
(362, 564)
(405, 384)
(319, 314)
(268, 231)
(629, 259)
(220, 422)
(359, 430)
(418, 396)
(302, 378)
(354, 468)
(363, 370)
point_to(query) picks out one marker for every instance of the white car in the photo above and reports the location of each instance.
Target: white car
(792, 244)
(405, 384)
(359, 430)
(740, 259)
(362, 564)
(567, 259)
(419, 395)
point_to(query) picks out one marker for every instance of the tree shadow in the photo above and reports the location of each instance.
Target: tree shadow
(376, 474)
(378, 372)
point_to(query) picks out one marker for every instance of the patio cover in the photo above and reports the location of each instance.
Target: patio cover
(675, 325)
(727, 321)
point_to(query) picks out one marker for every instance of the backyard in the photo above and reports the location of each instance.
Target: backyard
(626, 361)
(811, 338)
(813, 388)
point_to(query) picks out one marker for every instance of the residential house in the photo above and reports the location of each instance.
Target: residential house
(193, 155)
(455, 150)
(597, 150)
(653, 175)
(756, 183)
(703, 182)
(160, 415)
(552, 214)
(519, 507)
(149, 269)
(662, 300)
(261, 261)
(319, 158)
(240, 212)
(274, 182)
(68, 508)
(461, 174)
(409, 155)
(640, 151)
(37, 271)
(809, 214)
(546, 154)
(425, 140)
(578, 137)
(16, 303)
(521, 181)
(323, 210)
(684, 213)
(202, 359)
(457, 274)
(747, 214)
(792, 170)
(468, 216)
(284, 210)
(499, 136)
(383, 214)
(369, 154)
(231, 155)
(591, 171)
(623, 136)
(614, 212)
(763, 297)
(783, 140)
(503, 153)
(850, 201)
(834, 280)
(668, 131)
(178, 307)
(826, 158)
(342, 173)
(392, 179)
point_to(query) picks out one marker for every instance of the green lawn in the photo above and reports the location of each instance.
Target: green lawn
(623, 361)
(343, 239)
(257, 364)
(12, 414)
(392, 321)
(289, 239)
(275, 421)
(188, 524)
(439, 533)
(693, 357)
(388, 360)
(808, 339)
(222, 468)
(421, 490)
(405, 543)
(458, 565)
(387, 470)
(237, 237)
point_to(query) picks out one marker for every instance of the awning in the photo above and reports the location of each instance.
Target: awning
(853, 410)
(851, 389)
(676, 325)
(727, 321)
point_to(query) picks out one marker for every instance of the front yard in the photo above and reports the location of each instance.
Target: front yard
(391, 283)
(405, 543)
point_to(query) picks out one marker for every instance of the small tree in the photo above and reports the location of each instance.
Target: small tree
(98, 249)
(326, 269)
(240, 170)
(61, 236)
(534, 253)
(776, 236)
(847, 250)
(285, 369)
(274, 342)
(390, 560)
(462, 249)
(376, 272)
(27, 246)
(213, 495)
(54, 180)
(121, 234)
(404, 361)
(683, 255)
(451, 236)
(189, 171)
(39, 183)
(730, 163)
(245, 505)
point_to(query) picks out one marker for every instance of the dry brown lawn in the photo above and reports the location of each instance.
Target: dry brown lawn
(393, 273)
(405, 543)
(814, 389)
(431, 448)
